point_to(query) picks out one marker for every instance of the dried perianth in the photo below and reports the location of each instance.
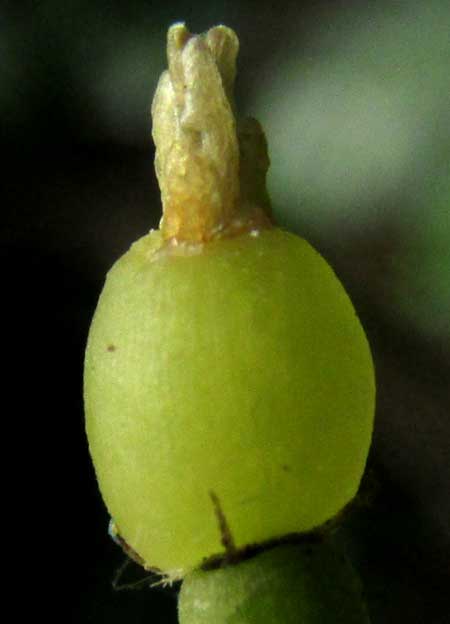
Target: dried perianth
(210, 169)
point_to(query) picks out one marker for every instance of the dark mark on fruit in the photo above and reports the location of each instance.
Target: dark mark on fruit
(111, 347)
(113, 532)
(225, 531)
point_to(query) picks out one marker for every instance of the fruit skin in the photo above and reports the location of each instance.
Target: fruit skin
(292, 584)
(238, 368)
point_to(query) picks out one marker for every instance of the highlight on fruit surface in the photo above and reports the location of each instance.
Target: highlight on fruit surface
(291, 584)
(227, 375)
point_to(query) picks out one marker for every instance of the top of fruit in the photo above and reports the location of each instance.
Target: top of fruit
(211, 169)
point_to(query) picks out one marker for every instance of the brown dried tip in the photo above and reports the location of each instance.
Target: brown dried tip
(211, 175)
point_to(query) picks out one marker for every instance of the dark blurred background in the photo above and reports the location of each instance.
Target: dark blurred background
(355, 100)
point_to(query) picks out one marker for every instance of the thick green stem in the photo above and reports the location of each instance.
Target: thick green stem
(291, 584)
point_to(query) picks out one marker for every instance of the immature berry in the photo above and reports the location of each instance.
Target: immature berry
(226, 367)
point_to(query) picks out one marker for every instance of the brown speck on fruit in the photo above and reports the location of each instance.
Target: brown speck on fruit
(224, 528)
(111, 348)
(250, 550)
(286, 468)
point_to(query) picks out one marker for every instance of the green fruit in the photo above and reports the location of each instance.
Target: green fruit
(235, 371)
(310, 584)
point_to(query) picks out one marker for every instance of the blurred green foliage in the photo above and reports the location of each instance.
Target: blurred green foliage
(423, 277)
(358, 120)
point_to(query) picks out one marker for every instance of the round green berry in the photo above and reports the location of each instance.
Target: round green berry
(232, 374)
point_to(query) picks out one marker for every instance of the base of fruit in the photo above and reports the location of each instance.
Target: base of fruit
(233, 555)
